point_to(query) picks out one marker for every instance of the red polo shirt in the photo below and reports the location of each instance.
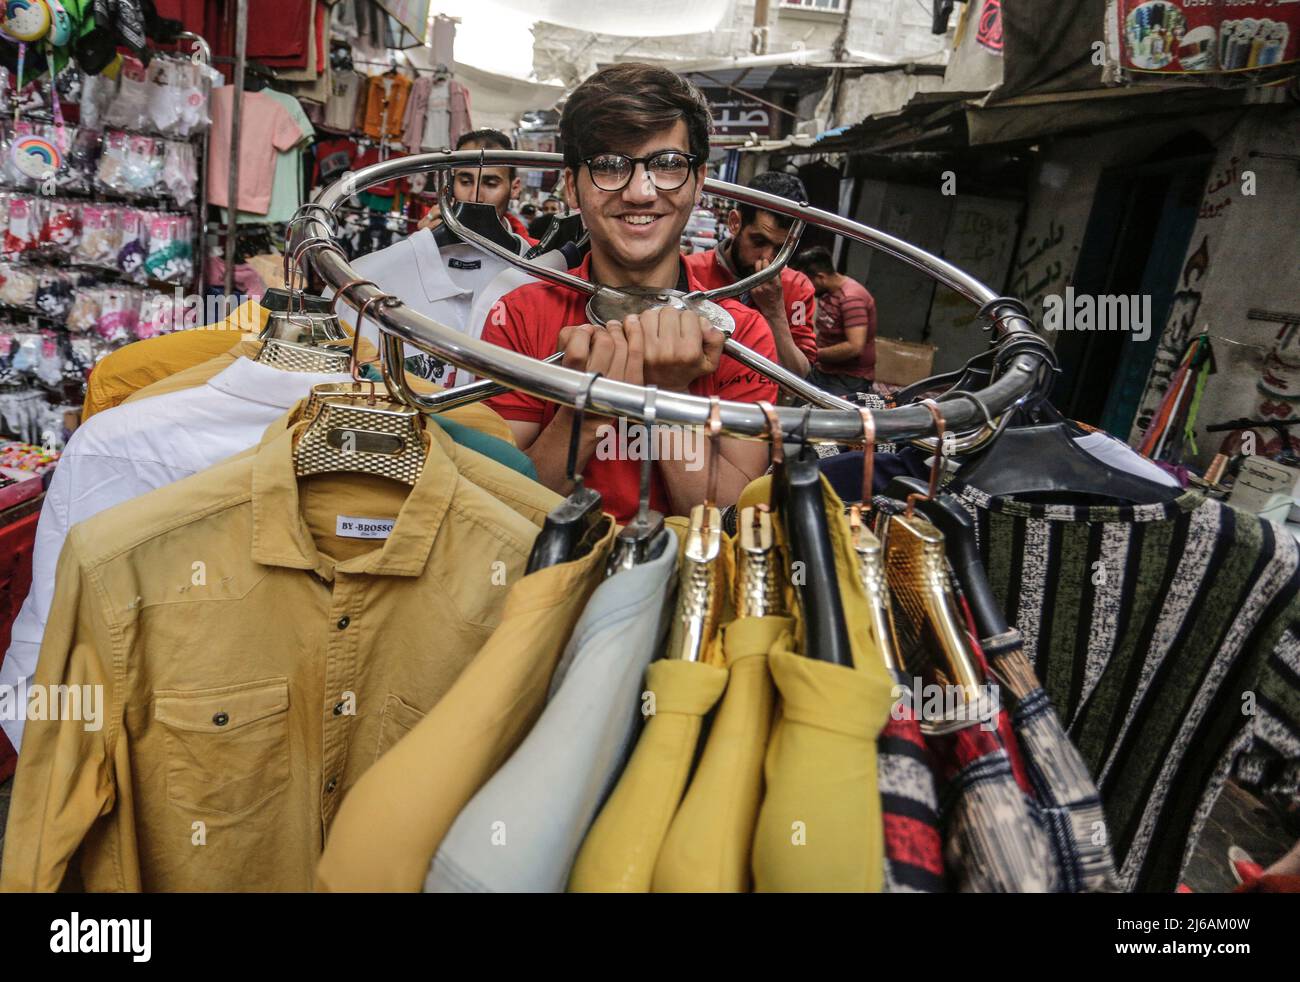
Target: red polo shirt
(529, 320)
(796, 287)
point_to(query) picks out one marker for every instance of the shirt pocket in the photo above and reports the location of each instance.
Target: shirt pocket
(398, 720)
(227, 748)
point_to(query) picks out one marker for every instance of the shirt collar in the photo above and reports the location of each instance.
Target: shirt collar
(684, 272)
(722, 256)
(432, 269)
(251, 381)
(281, 537)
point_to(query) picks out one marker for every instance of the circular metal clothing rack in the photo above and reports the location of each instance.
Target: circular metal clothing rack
(1022, 360)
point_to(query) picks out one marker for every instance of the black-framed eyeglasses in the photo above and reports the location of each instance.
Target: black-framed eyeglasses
(668, 169)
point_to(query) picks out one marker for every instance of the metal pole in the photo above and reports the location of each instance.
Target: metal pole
(237, 106)
(1022, 374)
(199, 46)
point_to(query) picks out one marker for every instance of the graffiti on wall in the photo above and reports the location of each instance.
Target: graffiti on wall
(1219, 190)
(1041, 267)
(1185, 305)
(980, 237)
(989, 32)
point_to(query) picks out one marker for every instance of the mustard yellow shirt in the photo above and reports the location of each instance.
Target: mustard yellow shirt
(393, 821)
(819, 827)
(253, 665)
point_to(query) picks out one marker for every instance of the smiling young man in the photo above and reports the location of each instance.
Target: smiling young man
(787, 302)
(635, 150)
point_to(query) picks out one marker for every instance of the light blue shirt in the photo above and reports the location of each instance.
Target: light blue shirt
(522, 830)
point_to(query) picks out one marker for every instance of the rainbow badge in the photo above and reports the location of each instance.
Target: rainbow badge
(36, 157)
(26, 20)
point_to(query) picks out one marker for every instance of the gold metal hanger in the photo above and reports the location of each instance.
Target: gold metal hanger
(303, 341)
(353, 430)
(759, 589)
(932, 641)
(699, 581)
(871, 552)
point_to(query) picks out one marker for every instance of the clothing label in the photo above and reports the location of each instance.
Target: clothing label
(465, 263)
(349, 527)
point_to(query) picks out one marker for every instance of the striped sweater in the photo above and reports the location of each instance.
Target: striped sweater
(1168, 637)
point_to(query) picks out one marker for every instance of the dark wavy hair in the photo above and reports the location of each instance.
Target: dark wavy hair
(624, 104)
(487, 139)
(782, 185)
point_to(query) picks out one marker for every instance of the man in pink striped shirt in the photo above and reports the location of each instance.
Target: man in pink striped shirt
(846, 327)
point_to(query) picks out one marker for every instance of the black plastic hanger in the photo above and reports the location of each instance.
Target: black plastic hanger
(477, 217)
(256, 78)
(560, 232)
(576, 523)
(281, 300)
(1036, 454)
(972, 376)
(798, 486)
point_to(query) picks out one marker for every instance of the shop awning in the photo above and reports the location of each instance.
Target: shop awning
(496, 100)
(942, 121)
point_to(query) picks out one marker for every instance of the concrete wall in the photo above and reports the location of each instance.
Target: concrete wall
(1244, 253)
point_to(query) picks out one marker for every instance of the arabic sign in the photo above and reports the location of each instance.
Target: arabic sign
(740, 117)
(1204, 36)
(1231, 178)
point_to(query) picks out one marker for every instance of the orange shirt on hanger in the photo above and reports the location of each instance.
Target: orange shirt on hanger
(395, 88)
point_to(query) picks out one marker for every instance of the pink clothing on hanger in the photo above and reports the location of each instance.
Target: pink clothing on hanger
(417, 105)
(246, 280)
(460, 121)
(265, 129)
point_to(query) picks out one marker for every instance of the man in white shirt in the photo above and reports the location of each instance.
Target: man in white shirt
(455, 285)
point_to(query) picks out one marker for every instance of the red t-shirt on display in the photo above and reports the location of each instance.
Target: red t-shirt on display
(849, 306)
(529, 321)
(798, 290)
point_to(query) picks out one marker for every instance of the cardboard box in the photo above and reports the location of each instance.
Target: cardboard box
(901, 363)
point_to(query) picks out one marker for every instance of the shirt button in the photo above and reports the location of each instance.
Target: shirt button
(344, 622)
(333, 783)
(338, 710)
(221, 719)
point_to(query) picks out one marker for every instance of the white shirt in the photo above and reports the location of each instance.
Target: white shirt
(455, 286)
(1120, 456)
(128, 451)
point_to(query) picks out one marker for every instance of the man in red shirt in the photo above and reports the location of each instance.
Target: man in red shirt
(490, 185)
(846, 327)
(787, 302)
(635, 144)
